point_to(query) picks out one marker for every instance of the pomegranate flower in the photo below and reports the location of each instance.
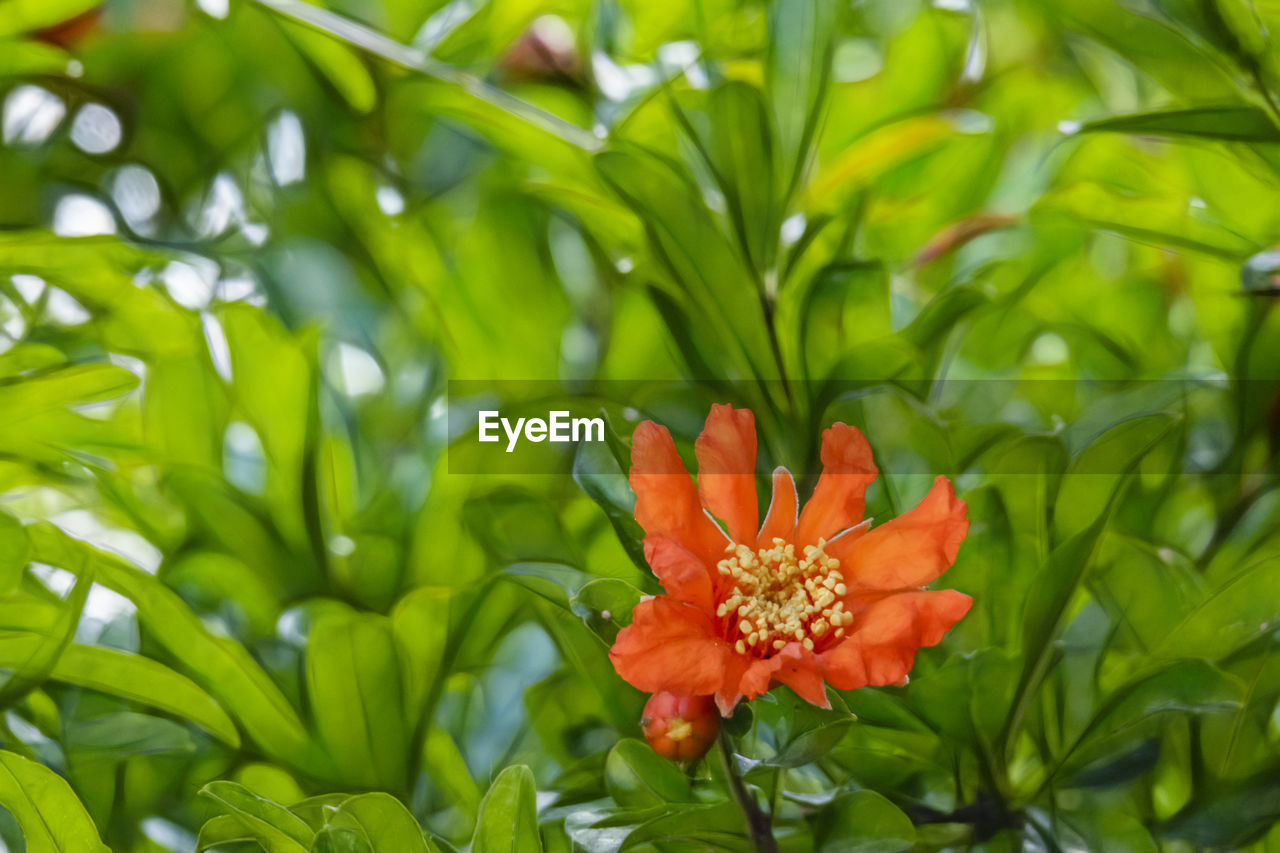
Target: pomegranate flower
(805, 599)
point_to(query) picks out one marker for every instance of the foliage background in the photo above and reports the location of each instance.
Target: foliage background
(251, 597)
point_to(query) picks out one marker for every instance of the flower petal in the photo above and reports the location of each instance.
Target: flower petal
(666, 500)
(670, 646)
(839, 498)
(726, 452)
(887, 634)
(681, 573)
(731, 691)
(794, 666)
(803, 674)
(780, 521)
(912, 549)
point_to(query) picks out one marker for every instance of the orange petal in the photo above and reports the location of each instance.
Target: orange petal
(803, 674)
(794, 666)
(683, 575)
(839, 499)
(731, 691)
(759, 676)
(887, 634)
(726, 453)
(670, 646)
(666, 500)
(912, 549)
(781, 518)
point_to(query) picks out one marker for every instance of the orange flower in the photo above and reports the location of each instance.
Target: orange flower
(806, 598)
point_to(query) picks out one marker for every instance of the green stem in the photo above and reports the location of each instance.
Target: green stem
(758, 824)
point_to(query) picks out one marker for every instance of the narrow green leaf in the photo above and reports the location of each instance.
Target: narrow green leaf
(353, 683)
(273, 826)
(1103, 466)
(1240, 610)
(220, 830)
(147, 681)
(802, 36)
(714, 826)
(45, 807)
(508, 821)
(13, 552)
(340, 65)
(742, 154)
(218, 664)
(1233, 123)
(1186, 686)
(420, 623)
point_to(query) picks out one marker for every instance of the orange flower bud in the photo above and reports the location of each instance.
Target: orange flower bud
(680, 728)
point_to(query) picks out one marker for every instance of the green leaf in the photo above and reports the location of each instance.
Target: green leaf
(605, 605)
(272, 825)
(45, 807)
(353, 683)
(489, 107)
(218, 664)
(147, 681)
(13, 552)
(699, 258)
(340, 65)
(811, 744)
(508, 821)
(742, 154)
(802, 732)
(378, 821)
(638, 777)
(126, 733)
(801, 42)
(1044, 612)
(223, 829)
(19, 58)
(1104, 466)
(38, 424)
(1231, 815)
(599, 473)
(846, 305)
(444, 763)
(1237, 612)
(274, 387)
(1233, 123)
(1188, 687)
(865, 160)
(716, 826)
(515, 525)
(420, 623)
(863, 822)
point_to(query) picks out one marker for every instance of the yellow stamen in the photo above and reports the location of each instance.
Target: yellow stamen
(777, 599)
(679, 728)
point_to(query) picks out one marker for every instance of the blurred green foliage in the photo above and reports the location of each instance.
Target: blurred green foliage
(246, 604)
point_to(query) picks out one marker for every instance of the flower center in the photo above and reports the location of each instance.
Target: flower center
(679, 728)
(777, 599)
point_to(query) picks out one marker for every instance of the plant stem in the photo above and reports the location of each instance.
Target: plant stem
(758, 824)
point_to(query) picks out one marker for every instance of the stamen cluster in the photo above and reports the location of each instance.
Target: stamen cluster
(778, 598)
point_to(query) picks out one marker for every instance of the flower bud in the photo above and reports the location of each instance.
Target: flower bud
(680, 728)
